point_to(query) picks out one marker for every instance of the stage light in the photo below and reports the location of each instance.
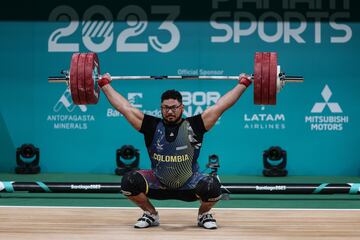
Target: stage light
(27, 159)
(127, 159)
(275, 160)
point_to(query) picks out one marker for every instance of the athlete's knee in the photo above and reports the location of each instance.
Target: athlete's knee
(132, 184)
(209, 189)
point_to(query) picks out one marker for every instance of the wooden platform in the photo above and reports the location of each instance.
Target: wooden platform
(117, 223)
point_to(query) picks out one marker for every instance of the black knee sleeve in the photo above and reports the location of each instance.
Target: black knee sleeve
(132, 184)
(209, 189)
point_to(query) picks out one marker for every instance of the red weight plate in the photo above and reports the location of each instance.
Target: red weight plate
(265, 69)
(257, 77)
(92, 70)
(73, 78)
(81, 78)
(273, 78)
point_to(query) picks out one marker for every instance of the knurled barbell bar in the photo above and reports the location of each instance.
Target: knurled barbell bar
(85, 72)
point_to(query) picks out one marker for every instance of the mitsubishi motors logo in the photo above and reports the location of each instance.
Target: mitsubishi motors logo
(333, 120)
(66, 115)
(319, 107)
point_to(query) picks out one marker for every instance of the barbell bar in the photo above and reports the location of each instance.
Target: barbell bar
(85, 72)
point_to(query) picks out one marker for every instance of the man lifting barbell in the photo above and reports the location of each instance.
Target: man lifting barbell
(173, 143)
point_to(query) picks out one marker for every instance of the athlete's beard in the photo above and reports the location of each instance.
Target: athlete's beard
(172, 122)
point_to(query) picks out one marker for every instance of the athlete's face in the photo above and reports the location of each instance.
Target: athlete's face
(171, 110)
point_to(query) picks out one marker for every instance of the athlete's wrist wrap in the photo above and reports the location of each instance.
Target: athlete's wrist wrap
(103, 81)
(245, 81)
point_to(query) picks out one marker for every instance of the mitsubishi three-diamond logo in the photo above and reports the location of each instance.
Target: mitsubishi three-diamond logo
(321, 120)
(320, 106)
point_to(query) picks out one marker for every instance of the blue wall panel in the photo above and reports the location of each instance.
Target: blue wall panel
(84, 139)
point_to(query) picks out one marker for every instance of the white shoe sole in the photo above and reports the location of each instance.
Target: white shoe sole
(150, 225)
(212, 227)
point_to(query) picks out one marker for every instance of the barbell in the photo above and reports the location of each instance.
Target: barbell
(85, 72)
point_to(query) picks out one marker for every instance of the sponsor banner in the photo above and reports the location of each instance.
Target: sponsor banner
(264, 120)
(68, 116)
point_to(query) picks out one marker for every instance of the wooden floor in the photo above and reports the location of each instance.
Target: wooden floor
(116, 223)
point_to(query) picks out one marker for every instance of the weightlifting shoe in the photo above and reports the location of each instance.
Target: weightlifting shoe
(207, 221)
(147, 220)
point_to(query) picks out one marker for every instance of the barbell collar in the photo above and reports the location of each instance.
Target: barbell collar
(58, 79)
(293, 78)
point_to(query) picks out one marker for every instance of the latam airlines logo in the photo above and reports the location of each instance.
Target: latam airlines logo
(326, 122)
(264, 121)
(66, 114)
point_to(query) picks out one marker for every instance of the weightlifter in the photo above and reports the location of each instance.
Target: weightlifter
(173, 144)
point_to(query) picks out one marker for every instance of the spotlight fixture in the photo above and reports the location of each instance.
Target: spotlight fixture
(275, 160)
(27, 159)
(127, 159)
(213, 164)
